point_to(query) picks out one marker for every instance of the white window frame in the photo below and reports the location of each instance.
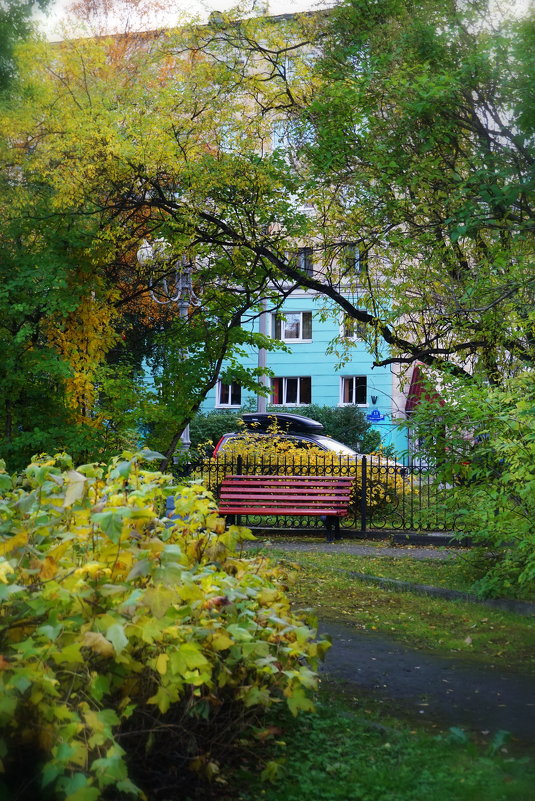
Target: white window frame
(220, 404)
(358, 330)
(285, 379)
(283, 319)
(354, 394)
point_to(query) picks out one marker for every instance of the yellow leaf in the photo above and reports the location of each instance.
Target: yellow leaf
(13, 542)
(59, 550)
(215, 523)
(161, 664)
(98, 643)
(48, 569)
(92, 569)
(221, 641)
(267, 596)
(190, 592)
(5, 571)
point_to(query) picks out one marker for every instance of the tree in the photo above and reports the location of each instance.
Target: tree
(400, 141)
(422, 135)
(411, 138)
(95, 164)
(488, 468)
(414, 141)
(15, 26)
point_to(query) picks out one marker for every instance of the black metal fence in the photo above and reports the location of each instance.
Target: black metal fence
(388, 495)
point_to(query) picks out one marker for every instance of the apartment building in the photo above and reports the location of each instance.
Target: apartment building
(311, 369)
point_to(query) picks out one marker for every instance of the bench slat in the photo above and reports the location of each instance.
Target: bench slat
(268, 492)
(259, 479)
(281, 510)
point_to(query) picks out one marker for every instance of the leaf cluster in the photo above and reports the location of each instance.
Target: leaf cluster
(481, 445)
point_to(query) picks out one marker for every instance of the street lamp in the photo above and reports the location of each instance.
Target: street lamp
(167, 290)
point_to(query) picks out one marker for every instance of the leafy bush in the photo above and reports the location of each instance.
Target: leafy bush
(134, 649)
(209, 427)
(482, 443)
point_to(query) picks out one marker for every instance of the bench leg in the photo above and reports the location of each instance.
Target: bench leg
(332, 528)
(337, 535)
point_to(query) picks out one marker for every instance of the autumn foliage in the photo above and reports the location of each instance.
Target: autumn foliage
(134, 650)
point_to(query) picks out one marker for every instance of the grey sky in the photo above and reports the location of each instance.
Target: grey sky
(197, 7)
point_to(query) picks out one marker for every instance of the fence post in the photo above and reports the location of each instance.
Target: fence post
(363, 490)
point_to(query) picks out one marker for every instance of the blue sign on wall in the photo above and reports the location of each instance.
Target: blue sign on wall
(375, 416)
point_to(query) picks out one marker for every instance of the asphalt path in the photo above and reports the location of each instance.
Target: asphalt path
(447, 690)
(405, 552)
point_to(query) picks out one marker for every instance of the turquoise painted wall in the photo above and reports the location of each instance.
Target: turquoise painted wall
(311, 359)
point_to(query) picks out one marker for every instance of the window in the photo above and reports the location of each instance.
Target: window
(352, 260)
(355, 390)
(292, 327)
(352, 329)
(291, 391)
(228, 394)
(304, 260)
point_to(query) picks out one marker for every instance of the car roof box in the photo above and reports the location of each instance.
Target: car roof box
(285, 422)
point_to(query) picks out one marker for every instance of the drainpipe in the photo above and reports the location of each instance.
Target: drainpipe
(261, 400)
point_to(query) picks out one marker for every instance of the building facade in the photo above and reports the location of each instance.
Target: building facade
(309, 371)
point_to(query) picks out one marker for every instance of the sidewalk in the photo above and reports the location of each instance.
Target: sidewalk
(408, 552)
(447, 690)
(405, 552)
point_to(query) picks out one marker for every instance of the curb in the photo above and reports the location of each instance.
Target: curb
(519, 607)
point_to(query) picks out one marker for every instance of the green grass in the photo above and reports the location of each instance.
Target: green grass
(478, 633)
(450, 573)
(352, 750)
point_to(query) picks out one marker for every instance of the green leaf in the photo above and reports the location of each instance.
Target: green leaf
(115, 634)
(111, 523)
(159, 599)
(150, 456)
(5, 482)
(122, 470)
(86, 793)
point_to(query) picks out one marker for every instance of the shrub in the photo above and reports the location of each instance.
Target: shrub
(134, 650)
(482, 442)
(209, 427)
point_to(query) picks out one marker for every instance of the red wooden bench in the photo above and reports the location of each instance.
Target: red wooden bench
(319, 496)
